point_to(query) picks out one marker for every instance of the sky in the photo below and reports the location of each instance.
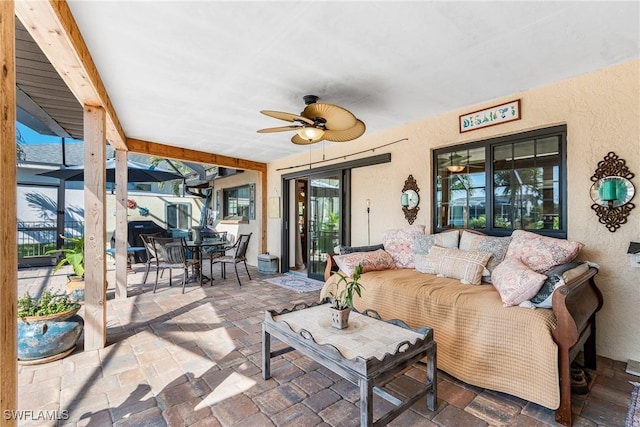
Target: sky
(32, 137)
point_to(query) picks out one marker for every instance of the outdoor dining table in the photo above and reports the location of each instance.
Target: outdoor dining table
(197, 248)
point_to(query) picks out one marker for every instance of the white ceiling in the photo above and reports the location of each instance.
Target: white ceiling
(196, 74)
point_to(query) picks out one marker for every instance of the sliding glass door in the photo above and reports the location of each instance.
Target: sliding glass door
(324, 220)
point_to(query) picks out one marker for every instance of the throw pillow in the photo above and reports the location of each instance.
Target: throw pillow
(429, 263)
(497, 246)
(399, 244)
(423, 243)
(343, 250)
(541, 253)
(464, 265)
(370, 261)
(516, 282)
(556, 277)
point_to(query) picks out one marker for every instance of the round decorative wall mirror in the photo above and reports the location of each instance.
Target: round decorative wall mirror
(410, 199)
(612, 191)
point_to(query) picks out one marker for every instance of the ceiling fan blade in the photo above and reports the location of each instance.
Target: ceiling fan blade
(289, 117)
(296, 139)
(279, 129)
(336, 118)
(345, 135)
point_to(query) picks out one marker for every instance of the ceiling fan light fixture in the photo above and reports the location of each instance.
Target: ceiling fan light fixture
(310, 133)
(455, 168)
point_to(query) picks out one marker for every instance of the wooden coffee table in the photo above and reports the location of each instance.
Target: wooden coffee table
(368, 353)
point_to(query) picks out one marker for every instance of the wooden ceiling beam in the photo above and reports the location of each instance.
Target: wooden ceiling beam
(54, 29)
(178, 153)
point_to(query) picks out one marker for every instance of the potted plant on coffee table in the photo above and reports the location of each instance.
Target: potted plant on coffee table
(74, 256)
(342, 297)
(48, 327)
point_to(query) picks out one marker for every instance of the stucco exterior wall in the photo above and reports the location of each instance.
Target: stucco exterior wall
(253, 226)
(601, 111)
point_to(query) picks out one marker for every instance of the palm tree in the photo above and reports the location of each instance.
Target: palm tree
(516, 183)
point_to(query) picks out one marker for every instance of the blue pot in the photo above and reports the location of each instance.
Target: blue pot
(42, 337)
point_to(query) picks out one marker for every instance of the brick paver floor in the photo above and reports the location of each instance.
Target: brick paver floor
(194, 359)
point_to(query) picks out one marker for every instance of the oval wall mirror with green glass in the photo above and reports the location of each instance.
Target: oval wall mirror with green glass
(612, 191)
(410, 199)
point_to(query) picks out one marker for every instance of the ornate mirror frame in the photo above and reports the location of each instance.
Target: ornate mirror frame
(411, 214)
(612, 191)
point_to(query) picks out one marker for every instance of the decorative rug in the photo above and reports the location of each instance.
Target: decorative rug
(633, 416)
(296, 283)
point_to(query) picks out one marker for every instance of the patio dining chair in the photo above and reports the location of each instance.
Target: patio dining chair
(239, 255)
(212, 252)
(150, 251)
(171, 253)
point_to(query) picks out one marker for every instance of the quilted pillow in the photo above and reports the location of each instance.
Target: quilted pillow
(541, 253)
(399, 244)
(370, 261)
(516, 282)
(464, 265)
(497, 246)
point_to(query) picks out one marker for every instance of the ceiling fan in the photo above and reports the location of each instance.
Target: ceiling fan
(318, 122)
(455, 163)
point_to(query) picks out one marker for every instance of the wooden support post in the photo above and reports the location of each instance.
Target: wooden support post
(121, 224)
(8, 218)
(95, 307)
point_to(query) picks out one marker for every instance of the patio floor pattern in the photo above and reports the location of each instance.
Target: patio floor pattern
(194, 359)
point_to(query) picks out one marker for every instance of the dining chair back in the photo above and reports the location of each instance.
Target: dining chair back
(239, 255)
(171, 253)
(150, 251)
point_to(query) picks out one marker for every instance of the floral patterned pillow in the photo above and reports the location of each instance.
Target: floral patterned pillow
(541, 253)
(516, 282)
(371, 261)
(399, 244)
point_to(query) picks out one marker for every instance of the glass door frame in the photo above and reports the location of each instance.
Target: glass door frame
(321, 240)
(344, 235)
(344, 168)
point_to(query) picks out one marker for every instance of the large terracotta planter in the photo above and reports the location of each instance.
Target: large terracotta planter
(43, 339)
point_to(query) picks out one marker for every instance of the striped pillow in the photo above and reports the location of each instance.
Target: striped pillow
(457, 264)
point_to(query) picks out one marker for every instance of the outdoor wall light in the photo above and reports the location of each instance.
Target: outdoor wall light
(612, 191)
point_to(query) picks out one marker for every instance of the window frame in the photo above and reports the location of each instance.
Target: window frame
(175, 206)
(250, 207)
(488, 145)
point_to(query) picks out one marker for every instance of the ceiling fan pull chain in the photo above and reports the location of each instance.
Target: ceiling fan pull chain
(323, 143)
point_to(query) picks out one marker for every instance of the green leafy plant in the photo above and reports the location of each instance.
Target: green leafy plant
(342, 297)
(47, 303)
(74, 256)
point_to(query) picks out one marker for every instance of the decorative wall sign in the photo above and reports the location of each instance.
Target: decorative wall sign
(612, 191)
(490, 116)
(273, 206)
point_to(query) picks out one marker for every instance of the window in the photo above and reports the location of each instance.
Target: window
(237, 202)
(503, 184)
(179, 215)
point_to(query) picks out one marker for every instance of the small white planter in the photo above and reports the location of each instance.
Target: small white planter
(340, 318)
